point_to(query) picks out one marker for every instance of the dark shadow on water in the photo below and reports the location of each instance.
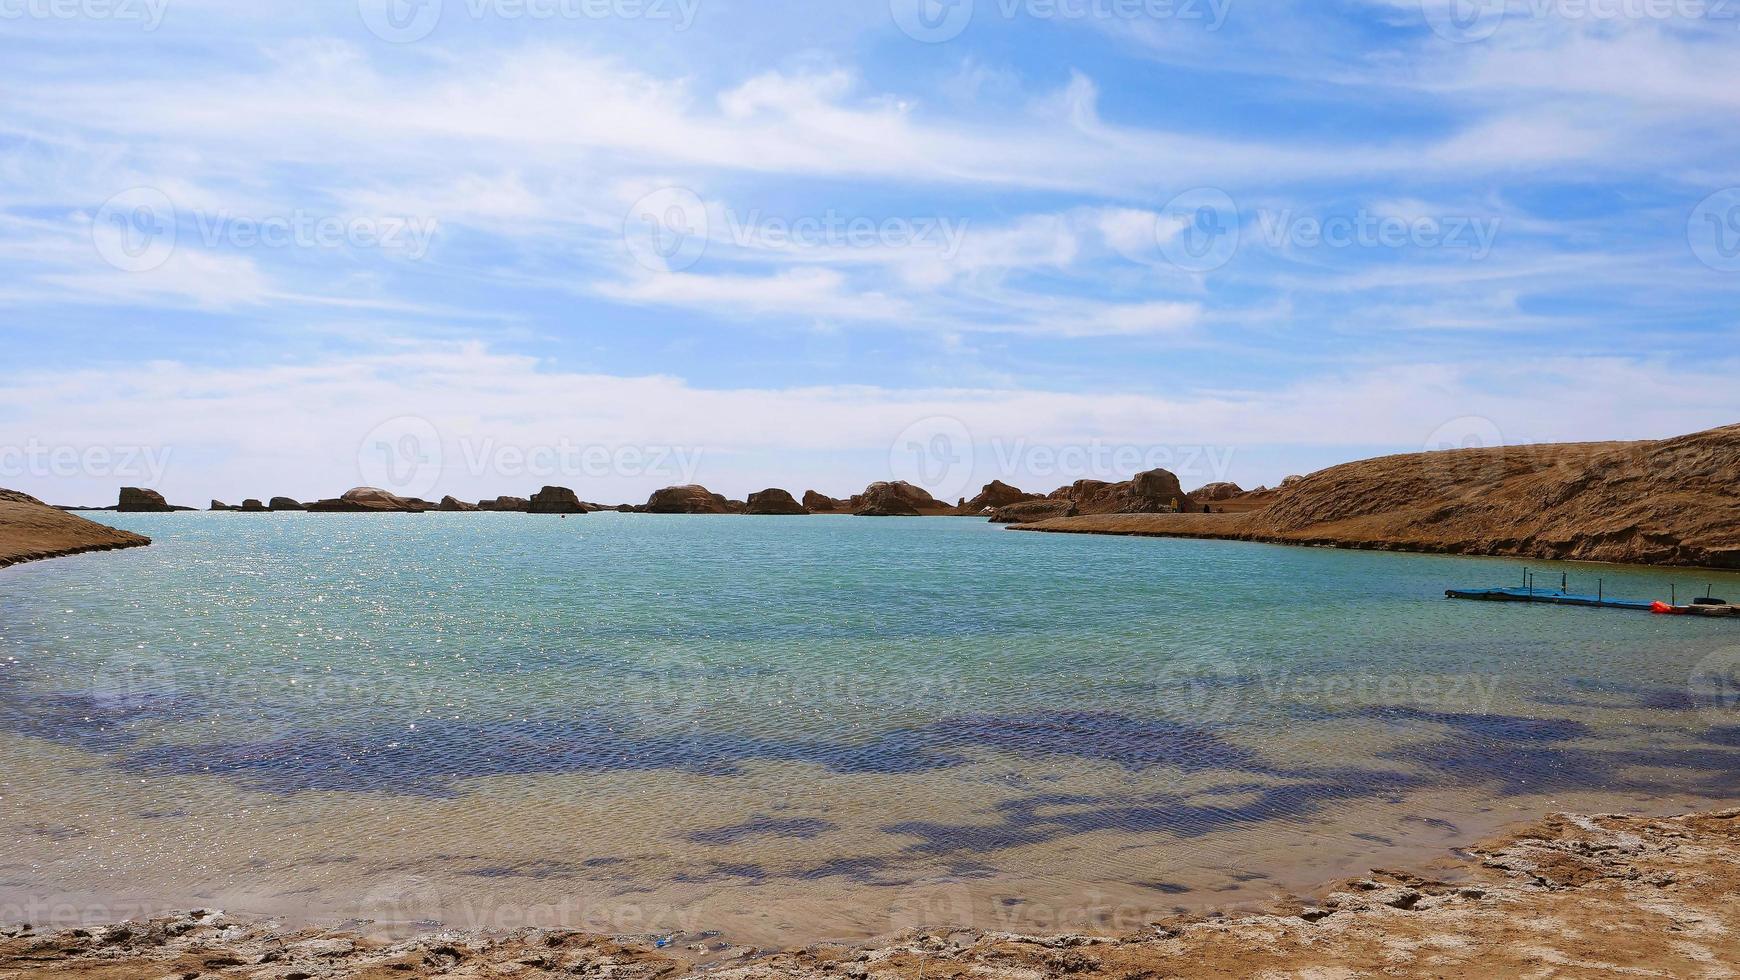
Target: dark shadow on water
(431, 758)
(761, 825)
(1499, 728)
(1498, 753)
(1593, 693)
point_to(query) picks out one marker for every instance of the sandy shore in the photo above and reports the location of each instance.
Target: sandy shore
(1567, 895)
(31, 530)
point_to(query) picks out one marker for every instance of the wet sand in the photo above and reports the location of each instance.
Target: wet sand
(1567, 894)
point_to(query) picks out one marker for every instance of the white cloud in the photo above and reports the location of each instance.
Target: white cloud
(298, 429)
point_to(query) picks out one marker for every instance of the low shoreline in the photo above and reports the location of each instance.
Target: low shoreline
(1238, 527)
(1593, 894)
(33, 531)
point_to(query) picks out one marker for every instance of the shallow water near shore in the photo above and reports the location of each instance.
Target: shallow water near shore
(792, 729)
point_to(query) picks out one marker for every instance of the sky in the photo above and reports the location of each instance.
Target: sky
(480, 246)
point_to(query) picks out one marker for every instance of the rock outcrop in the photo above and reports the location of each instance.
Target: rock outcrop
(253, 505)
(690, 499)
(453, 505)
(1216, 491)
(136, 500)
(821, 503)
(31, 530)
(896, 499)
(1153, 492)
(774, 501)
(218, 505)
(371, 500)
(555, 500)
(509, 504)
(996, 494)
(1665, 502)
(286, 503)
(1029, 511)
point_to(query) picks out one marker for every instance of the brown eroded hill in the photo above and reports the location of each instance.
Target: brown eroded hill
(30, 530)
(1664, 502)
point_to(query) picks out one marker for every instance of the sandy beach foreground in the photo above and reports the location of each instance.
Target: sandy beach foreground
(1566, 895)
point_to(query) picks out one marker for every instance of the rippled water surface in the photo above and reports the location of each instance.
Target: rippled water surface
(796, 728)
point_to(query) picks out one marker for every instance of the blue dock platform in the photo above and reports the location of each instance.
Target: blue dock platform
(1554, 596)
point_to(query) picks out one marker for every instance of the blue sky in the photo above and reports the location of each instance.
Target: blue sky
(475, 246)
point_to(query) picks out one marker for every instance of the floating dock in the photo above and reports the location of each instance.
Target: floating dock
(1555, 596)
(1562, 596)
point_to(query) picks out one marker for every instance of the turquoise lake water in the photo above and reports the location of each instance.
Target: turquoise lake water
(795, 728)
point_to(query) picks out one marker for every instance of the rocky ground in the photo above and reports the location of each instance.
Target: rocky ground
(1568, 896)
(31, 530)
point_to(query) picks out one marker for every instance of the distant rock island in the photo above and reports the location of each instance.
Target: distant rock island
(1668, 502)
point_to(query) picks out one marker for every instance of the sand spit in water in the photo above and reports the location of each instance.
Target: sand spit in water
(1567, 895)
